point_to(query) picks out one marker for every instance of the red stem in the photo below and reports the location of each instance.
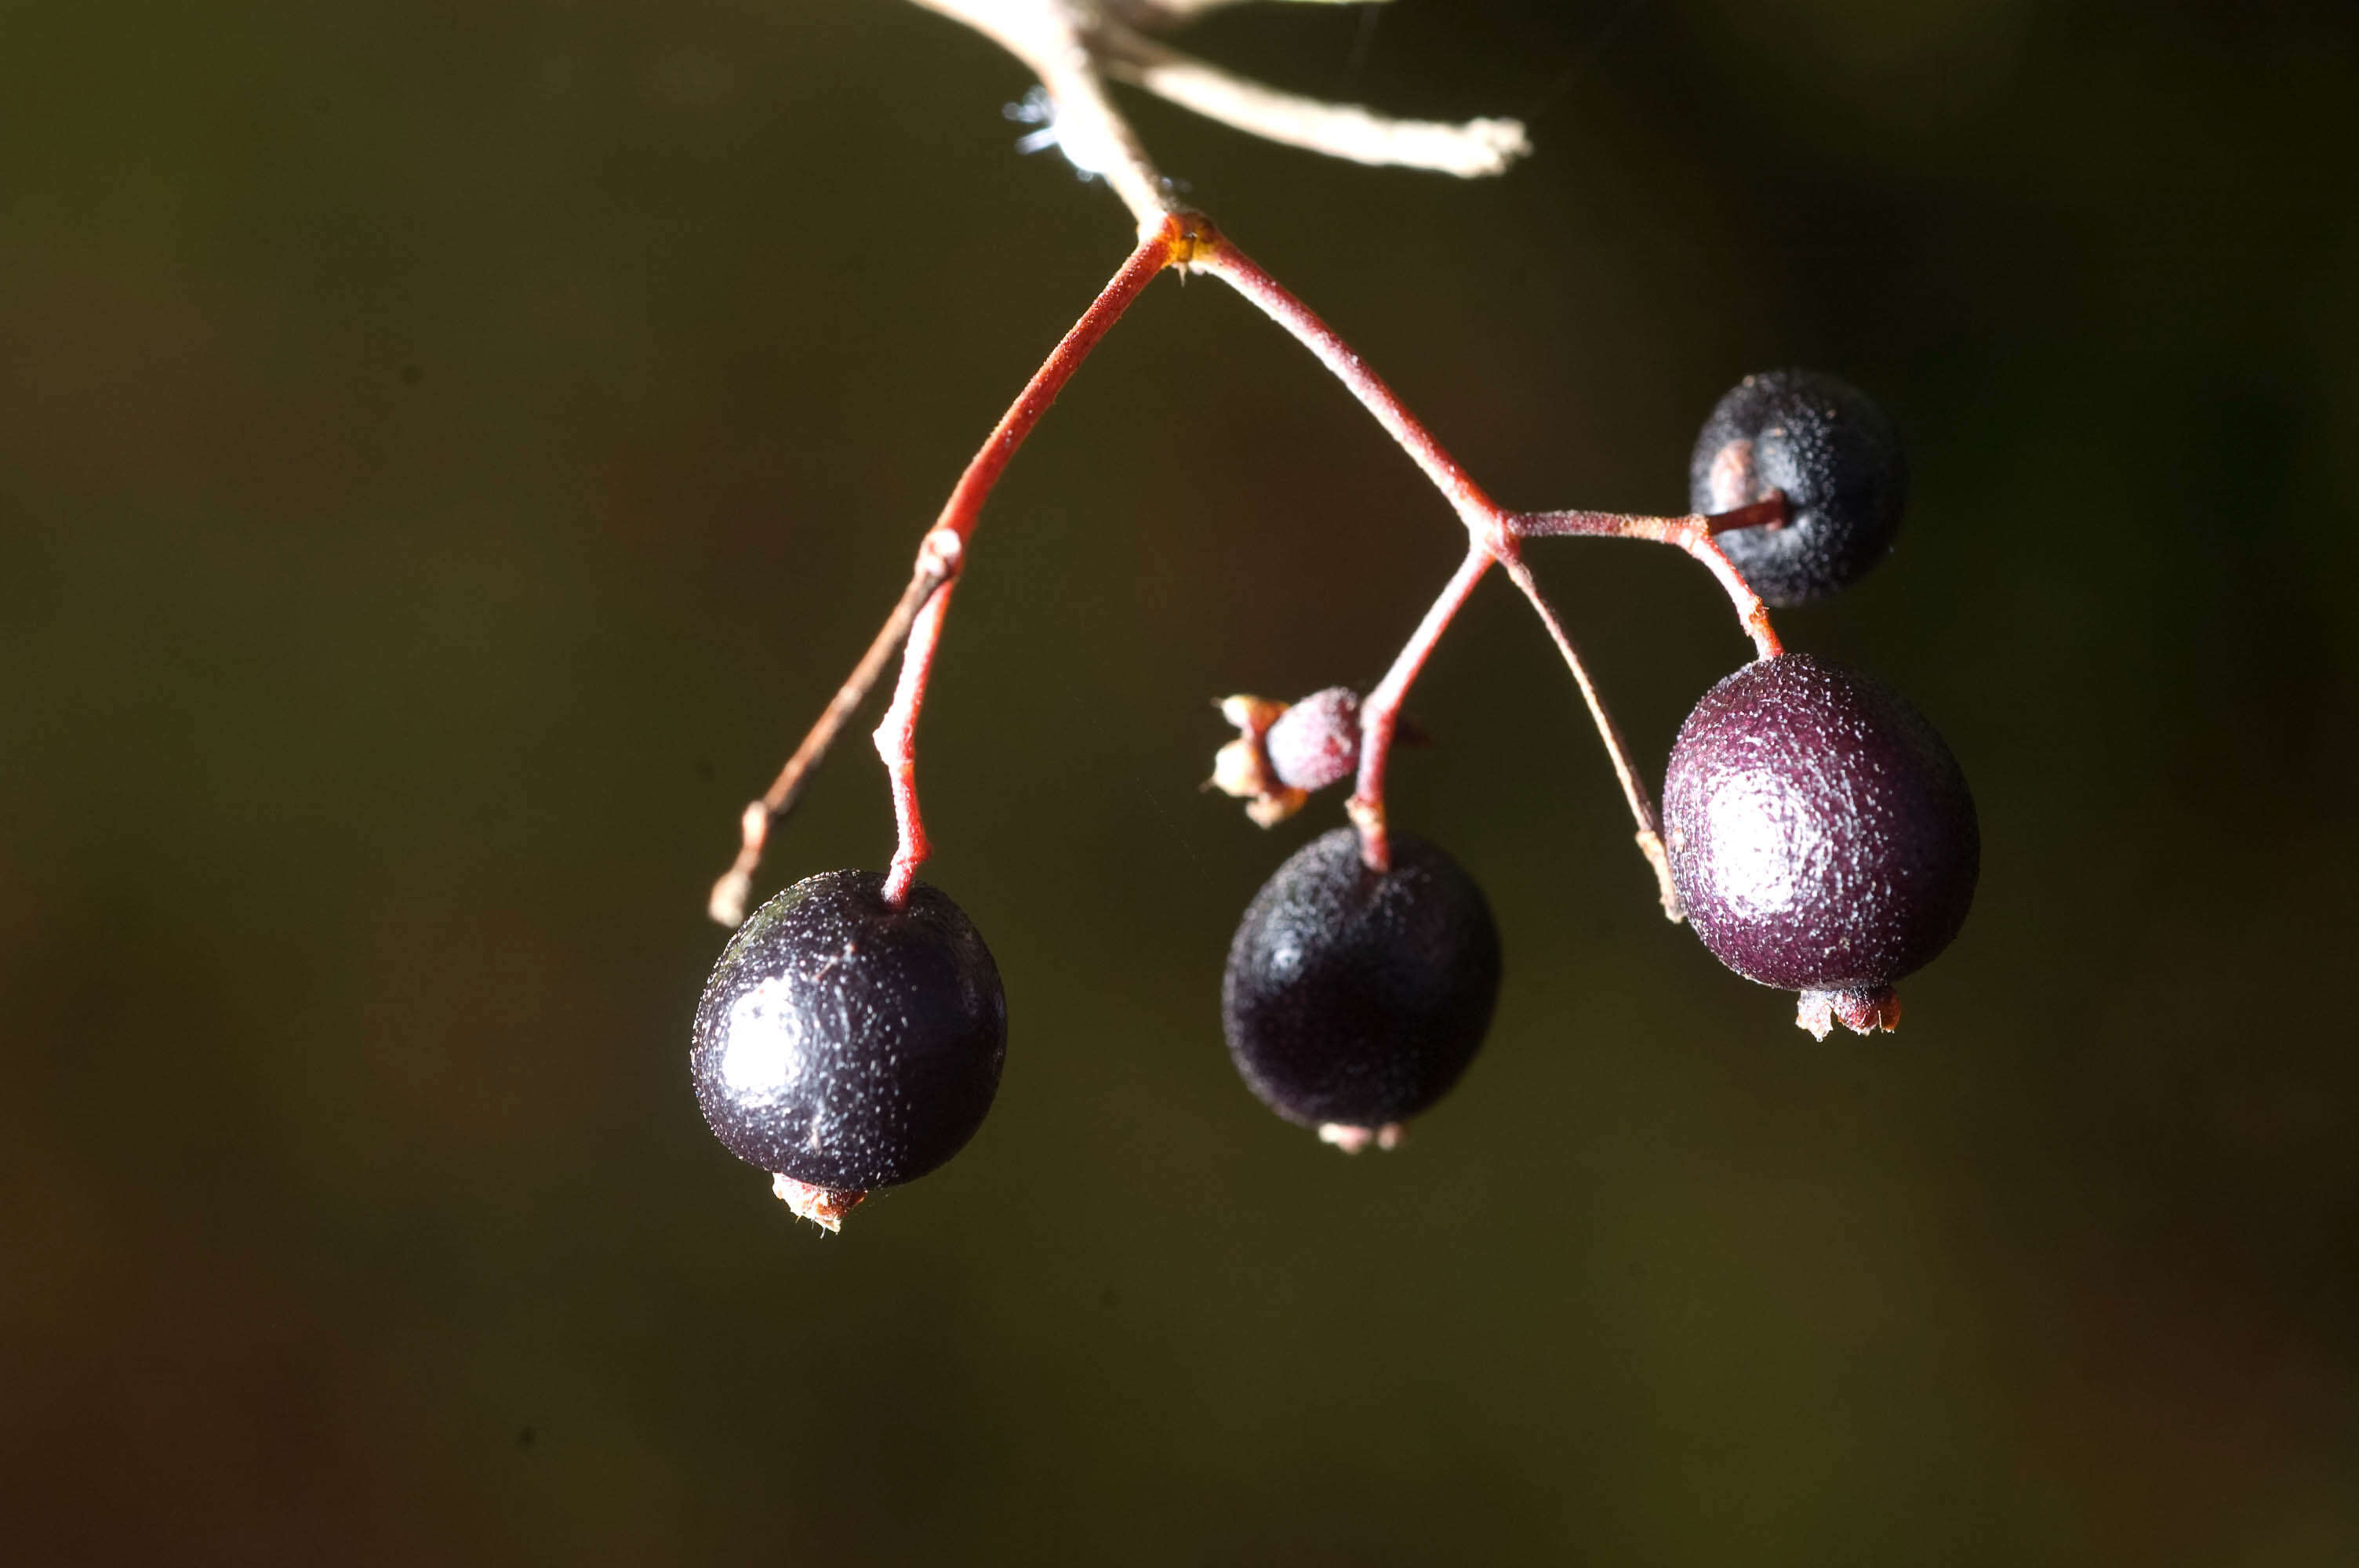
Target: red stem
(1222, 260)
(896, 742)
(926, 599)
(1380, 713)
(1640, 799)
(1695, 534)
(1187, 239)
(897, 737)
(1175, 242)
(1493, 534)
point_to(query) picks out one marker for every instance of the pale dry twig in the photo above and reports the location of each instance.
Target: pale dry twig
(1074, 46)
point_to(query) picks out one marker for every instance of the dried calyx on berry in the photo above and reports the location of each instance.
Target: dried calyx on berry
(844, 1045)
(1822, 836)
(1285, 752)
(1354, 999)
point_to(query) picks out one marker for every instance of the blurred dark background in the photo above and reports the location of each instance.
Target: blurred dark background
(448, 451)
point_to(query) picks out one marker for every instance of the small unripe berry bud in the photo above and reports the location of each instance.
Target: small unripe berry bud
(1316, 742)
(1282, 753)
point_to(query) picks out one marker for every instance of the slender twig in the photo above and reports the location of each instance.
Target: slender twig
(1054, 40)
(1380, 711)
(1073, 46)
(727, 902)
(896, 742)
(1694, 533)
(1219, 256)
(940, 558)
(1187, 239)
(1472, 150)
(1634, 788)
(1174, 243)
(1496, 533)
(1770, 513)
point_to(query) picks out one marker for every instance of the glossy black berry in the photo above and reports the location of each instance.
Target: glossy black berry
(1820, 834)
(1836, 455)
(1354, 999)
(848, 1045)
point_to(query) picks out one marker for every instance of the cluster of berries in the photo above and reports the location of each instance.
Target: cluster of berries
(1820, 837)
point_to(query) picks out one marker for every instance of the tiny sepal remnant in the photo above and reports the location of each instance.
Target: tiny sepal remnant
(844, 1045)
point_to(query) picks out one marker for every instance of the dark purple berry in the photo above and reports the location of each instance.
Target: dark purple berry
(1354, 999)
(844, 1045)
(1316, 742)
(1837, 457)
(1821, 835)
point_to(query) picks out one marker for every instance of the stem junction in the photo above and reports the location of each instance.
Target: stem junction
(1188, 241)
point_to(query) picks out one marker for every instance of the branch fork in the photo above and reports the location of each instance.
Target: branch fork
(1074, 46)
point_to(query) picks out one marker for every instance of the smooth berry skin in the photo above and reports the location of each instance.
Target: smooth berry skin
(1356, 999)
(848, 1044)
(1820, 831)
(1835, 455)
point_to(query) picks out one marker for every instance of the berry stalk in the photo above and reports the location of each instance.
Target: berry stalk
(1173, 243)
(1380, 711)
(1634, 788)
(1695, 534)
(1493, 533)
(726, 904)
(1218, 257)
(897, 743)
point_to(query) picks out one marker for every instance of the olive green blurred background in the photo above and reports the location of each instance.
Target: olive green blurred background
(448, 451)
